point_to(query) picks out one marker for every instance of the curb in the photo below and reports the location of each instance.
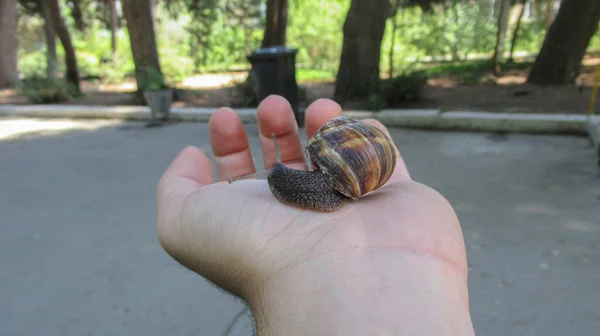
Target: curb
(422, 119)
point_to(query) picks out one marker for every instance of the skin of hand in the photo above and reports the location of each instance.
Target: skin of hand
(392, 263)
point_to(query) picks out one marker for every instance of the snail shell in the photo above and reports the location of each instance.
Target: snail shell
(355, 157)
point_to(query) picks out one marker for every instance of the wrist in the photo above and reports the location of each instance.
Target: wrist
(374, 293)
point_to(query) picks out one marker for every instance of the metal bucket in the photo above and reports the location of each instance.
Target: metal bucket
(159, 103)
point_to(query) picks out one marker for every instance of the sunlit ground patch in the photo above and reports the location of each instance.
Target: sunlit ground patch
(13, 128)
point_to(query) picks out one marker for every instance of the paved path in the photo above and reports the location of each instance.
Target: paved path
(79, 255)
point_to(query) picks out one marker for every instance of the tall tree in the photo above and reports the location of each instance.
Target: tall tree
(394, 20)
(276, 23)
(564, 47)
(549, 15)
(537, 8)
(140, 23)
(77, 14)
(50, 32)
(113, 27)
(521, 10)
(503, 16)
(358, 74)
(62, 31)
(8, 43)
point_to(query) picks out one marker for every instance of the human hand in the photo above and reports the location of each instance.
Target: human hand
(375, 266)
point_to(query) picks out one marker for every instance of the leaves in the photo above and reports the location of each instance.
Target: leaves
(209, 35)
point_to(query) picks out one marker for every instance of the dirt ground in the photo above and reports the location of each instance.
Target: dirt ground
(508, 93)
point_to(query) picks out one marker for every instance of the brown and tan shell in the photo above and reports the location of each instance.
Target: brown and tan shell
(357, 157)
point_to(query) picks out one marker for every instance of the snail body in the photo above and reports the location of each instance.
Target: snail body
(349, 159)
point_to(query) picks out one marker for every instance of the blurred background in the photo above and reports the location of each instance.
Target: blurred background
(449, 54)
(78, 248)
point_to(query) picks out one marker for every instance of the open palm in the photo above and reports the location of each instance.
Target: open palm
(240, 237)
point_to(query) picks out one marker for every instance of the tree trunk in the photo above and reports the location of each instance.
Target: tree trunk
(394, 20)
(152, 8)
(50, 32)
(72, 76)
(537, 5)
(276, 24)
(515, 35)
(77, 15)
(358, 74)
(113, 28)
(564, 47)
(549, 15)
(503, 17)
(8, 43)
(138, 14)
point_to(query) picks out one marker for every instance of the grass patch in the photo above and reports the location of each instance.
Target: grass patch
(314, 75)
(471, 68)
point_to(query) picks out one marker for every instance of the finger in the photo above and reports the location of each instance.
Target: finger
(190, 170)
(319, 113)
(401, 171)
(229, 144)
(275, 115)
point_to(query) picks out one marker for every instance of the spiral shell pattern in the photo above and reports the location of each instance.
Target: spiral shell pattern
(356, 157)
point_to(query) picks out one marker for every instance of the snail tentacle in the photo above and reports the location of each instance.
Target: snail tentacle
(261, 174)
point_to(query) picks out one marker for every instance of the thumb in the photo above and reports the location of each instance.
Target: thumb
(190, 170)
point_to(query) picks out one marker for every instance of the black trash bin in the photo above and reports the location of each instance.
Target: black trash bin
(274, 72)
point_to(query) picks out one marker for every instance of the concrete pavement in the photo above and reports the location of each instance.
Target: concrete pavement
(79, 254)
(424, 119)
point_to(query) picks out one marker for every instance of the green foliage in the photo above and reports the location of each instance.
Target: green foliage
(116, 72)
(316, 30)
(216, 35)
(407, 87)
(374, 102)
(531, 36)
(469, 78)
(471, 67)
(594, 42)
(152, 80)
(33, 64)
(41, 90)
(404, 88)
(93, 50)
(443, 33)
(94, 54)
(227, 46)
(89, 64)
(176, 68)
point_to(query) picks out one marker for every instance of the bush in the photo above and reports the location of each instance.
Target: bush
(40, 90)
(112, 73)
(153, 81)
(33, 64)
(315, 28)
(88, 64)
(404, 88)
(176, 68)
(374, 102)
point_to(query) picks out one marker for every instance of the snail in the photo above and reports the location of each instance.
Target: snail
(349, 158)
